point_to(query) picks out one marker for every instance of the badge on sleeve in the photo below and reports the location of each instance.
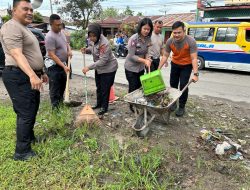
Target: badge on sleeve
(132, 43)
(102, 49)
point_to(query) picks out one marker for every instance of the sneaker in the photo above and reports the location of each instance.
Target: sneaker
(24, 156)
(173, 107)
(180, 112)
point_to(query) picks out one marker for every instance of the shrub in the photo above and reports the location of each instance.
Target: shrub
(78, 39)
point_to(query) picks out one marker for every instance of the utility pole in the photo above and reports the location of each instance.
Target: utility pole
(51, 8)
(165, 10)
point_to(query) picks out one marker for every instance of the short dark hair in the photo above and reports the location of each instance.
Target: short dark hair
(54, 17)
(16, 2)
(158, 22)
(143, 22)
(178, 24)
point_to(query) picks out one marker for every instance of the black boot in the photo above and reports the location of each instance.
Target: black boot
(173, 107)
(180, 112)
(96, 107)
(102, 111)
(24, 156)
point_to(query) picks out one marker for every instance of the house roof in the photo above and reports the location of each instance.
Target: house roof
(45, 19)
(136, 19)
(167, 20)
(110, 22)
(170, 19)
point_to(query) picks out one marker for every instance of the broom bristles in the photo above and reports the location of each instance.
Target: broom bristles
(88, 116)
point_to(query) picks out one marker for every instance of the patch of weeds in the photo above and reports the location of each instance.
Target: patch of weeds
(200, 162)
(91, 144)
(79, 158)
(53, 122)
(176, 153)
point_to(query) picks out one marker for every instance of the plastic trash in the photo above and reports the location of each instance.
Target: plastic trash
(237, 156)
(205, 134)
(142, 101)
(221, 148)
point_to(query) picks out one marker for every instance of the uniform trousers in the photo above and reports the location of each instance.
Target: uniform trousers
(25, 103)
(57, 84)
(179, 76)
(103, 82)
(133, 80)
(154, 64)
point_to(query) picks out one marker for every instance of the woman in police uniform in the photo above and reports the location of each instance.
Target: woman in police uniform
(105, 66)
(137, 59)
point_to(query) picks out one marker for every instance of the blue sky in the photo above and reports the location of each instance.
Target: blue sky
(147, 7)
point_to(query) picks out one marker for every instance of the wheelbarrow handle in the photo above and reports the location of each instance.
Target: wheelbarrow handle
(192, 80)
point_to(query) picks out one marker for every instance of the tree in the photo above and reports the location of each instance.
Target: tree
(128, 12)
(6, 18)
(109, 12)
(81, 11)
(129, 28)
(37, 17)
(78, 39)
(139, 14)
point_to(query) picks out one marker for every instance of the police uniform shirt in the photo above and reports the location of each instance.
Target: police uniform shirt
(15, 35)
(137, 48)
(104, 60)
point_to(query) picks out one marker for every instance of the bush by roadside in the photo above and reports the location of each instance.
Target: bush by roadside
(78, 39)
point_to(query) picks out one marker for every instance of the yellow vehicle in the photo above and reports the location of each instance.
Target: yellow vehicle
(222, 45)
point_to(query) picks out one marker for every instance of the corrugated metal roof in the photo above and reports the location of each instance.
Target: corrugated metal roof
(170, 19)
(167, 20)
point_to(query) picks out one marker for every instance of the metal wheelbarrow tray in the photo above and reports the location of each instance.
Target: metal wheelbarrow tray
(147, 113)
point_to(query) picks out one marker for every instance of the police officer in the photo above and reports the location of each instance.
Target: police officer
(23, 74)
(157, 47)
(58, 50)
(137, 59)
(105, 66)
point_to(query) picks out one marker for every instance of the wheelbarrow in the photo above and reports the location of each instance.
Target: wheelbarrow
(147, 113)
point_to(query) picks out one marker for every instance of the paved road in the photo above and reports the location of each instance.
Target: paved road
(234, 86)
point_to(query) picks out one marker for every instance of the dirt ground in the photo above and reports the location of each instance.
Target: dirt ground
(197, 167)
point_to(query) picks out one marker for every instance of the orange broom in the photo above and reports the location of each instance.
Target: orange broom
(87, 115)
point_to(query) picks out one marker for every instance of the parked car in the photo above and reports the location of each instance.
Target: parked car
(40, 37)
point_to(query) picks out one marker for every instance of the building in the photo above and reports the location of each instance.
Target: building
(237, 2)
(240, 13)
(170, 19)
(111, 26)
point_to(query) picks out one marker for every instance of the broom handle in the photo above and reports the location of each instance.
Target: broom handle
(85, 81)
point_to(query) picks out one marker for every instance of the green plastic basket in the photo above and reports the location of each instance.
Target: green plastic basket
(152, 82)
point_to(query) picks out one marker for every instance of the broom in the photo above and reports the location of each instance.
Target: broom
(67, 102)
(87, 115)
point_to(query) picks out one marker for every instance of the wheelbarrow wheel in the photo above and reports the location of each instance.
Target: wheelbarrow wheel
(139, 125)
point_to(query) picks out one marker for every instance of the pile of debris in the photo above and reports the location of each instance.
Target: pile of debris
(155, 100)
(222, 144)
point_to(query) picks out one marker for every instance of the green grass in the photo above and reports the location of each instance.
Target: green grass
(76, 158)
(92, 158)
